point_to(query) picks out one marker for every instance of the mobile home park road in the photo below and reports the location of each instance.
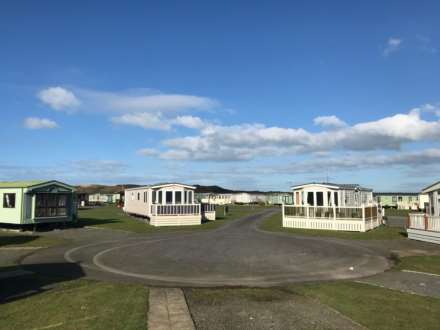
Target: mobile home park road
(237, 254)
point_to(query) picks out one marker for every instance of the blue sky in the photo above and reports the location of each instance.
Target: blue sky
(244, 94)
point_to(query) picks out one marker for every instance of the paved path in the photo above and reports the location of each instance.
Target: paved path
(236, 254)
(259, 310)
(168, 310)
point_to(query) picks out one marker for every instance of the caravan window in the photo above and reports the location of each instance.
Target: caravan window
(50, 205)
(9, 201)
(169, 197)
(178, 197)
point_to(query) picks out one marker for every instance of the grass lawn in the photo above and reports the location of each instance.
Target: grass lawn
(427, 264)
(274, 223)
(374, 307)
(79, 304)
(11, 239)
(370, 306)
(112, 217)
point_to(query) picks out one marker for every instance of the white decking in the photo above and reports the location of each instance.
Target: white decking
(175, 215)
(359, 219)
(424, 227)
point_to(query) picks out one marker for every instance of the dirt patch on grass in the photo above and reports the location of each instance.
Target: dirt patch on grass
(255, 308)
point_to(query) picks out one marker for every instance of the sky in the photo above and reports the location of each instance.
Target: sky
(241, 94)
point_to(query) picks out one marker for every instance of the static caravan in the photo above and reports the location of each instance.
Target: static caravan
(399, 200)
(99, 198)
(33, 202)
(426, 226)
(249, 198)
(215, 198)
(279, 198)
(167, 204)
(346, 207)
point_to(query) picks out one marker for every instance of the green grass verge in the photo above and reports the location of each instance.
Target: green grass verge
(10, 239)
(274, 223)
(112, 217)
(427, 264)
(79, 304)
(374, 307)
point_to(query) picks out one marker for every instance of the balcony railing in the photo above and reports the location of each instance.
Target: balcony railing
(182, 209)
(424, 222)
(331, 218)
(331, 213)
(208, 207)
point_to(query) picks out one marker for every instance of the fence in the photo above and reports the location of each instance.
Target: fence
(424, 222)
(184, 209)
(331, 218)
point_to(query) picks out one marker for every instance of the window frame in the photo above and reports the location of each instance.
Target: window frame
(178, 200)
(45, 210)
(169, 193)
(14, 200)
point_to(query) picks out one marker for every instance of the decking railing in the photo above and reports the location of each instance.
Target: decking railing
(182, 209)
(331, 218)
(423, 222)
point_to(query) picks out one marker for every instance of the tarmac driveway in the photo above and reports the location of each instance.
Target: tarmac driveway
(236, 254)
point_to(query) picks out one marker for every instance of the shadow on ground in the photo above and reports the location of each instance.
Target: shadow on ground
(37, 279)
(16, 239)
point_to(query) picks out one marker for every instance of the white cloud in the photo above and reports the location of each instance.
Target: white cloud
(329, 121)
(147, 152)
(130, 101)
(39, 123)
(159, 102)
(157, 121)
(359, 161)
(249, 141)
(59, 98)
(392, 46)
(189, 122)
(145, 120)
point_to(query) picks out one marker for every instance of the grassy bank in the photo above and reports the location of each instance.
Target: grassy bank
(427, 264)
(372, 307)
(112, 217)
(274, 223)
(79, 304)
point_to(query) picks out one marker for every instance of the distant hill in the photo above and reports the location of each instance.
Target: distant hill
(103, 189)
(212, 189)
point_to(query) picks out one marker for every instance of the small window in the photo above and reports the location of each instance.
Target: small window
(160, 197)
(178, 197)
(185, 196)
(169, 197)
(139, 196)
(319, 198)
(310, 199)
(400, 198)
(190, 197)
(9, 201)
(154, 197)
(394, 199)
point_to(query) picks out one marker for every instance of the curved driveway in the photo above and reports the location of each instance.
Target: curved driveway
(236, 254)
